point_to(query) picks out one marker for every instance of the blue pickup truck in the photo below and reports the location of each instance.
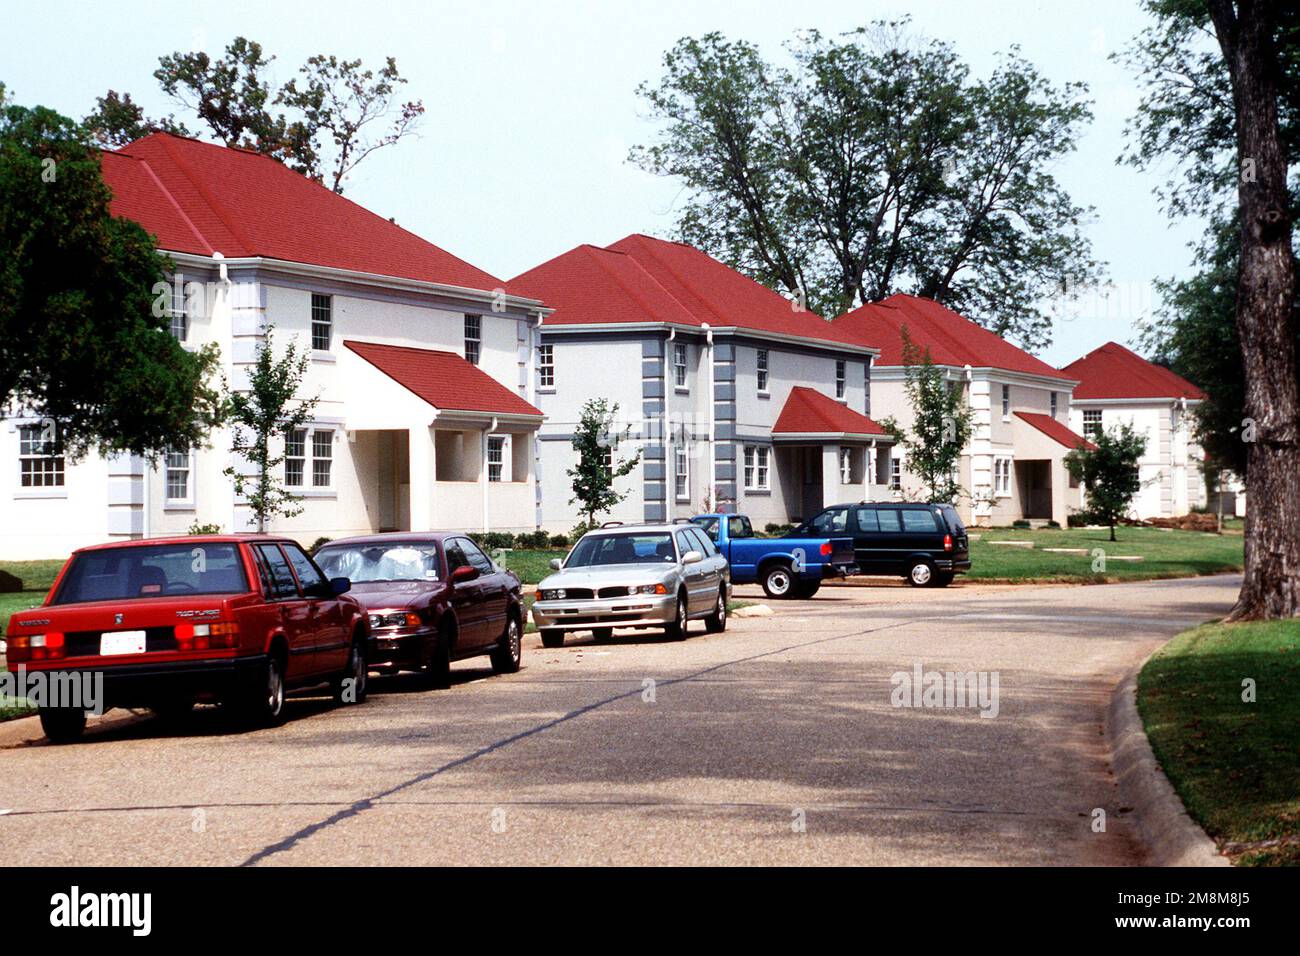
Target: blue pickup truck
(786, 567)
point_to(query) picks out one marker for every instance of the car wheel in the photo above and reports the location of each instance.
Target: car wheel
(676, 631)
(350, 686)
(510, 651)
(716, 622)
(437, 662)
(778, 581)
(808, 590)
(63, 725)
(263, 703)
(552, 637)
(602, 634)
(943, 578)
(920, 574)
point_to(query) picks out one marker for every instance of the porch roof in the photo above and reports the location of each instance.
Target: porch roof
(808, 415)
(445, 380)
(1054, 430)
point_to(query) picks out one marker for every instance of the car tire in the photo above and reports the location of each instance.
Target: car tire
(602, 634)
(943, 578)
(437, 663)
(716, 622)
(677, 630)
(356, 671)
(779, 581)
(807, 590)
(920, 574)
(63, 725)
(509, 652)
(552, 637)
(262, 704)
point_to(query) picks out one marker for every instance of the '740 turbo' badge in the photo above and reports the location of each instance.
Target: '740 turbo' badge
(210, 612)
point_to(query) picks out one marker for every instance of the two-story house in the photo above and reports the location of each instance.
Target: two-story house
(735, 397)
(1013, 466)
(1117, 386)
(421, 364)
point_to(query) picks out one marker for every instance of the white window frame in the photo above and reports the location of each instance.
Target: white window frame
(758, 468)
(1052, 403)
(846, 466)
(681, 473)
(895, 473)
(546, 366)
(178, 461)
(322, 314)
(496, 458)
(679, 366)
(761, 371)
(473, 338)
(178, 311)
(1092, 425)
(1006, 403)
(841, 379)
(309, 458)
(1002, 476)
(37, 451)
(327, 459)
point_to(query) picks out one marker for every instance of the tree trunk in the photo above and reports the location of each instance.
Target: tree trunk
(1265, 311)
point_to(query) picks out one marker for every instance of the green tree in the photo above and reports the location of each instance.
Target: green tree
(596, 440)
(876, 165)
(118, 120)
(941, 424)
(1109, 472)
(261, 417)
(81, 344)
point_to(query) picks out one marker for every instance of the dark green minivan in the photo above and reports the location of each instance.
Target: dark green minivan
(924, 543)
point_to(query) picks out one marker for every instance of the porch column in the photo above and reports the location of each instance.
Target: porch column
(831, 490)
(483, 473)
(422, 466)
(868, 469)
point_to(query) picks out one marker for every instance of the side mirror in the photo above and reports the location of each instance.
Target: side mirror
(556, 564)
(340, 586)
(466, 572)
(692, 557)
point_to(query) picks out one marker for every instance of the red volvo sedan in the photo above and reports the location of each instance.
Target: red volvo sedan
(167, 622)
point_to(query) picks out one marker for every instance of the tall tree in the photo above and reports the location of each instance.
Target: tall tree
(876, 165)
(263, 419)
(118, 120)
(81, 345)
(1109, 472)
(941, 424)
(596, 439)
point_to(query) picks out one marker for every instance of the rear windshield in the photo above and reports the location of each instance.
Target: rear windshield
(598, 549)
(952, 519)
(150, 572)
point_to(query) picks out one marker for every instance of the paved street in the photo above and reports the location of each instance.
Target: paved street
(579, 759)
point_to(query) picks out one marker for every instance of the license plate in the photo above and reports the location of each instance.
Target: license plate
(121, 642)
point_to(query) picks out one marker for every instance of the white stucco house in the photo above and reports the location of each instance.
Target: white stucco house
(1013, 467)
(1117, 386)
(423, 365)
(736, 398)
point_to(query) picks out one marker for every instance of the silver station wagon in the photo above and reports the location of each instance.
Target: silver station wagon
(654, 575)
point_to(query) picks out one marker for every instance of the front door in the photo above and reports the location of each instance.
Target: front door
(465, 597)
(492, 594)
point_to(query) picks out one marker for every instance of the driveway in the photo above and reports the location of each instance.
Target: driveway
(773, 743)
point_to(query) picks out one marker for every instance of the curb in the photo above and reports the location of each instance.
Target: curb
(1171, 836)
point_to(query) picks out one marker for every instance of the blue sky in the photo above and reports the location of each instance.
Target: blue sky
(532, 108)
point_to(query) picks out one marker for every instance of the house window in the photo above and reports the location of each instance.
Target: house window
(840, 372)
(546, 366)
(496, 457)
(473, 338)
(180, 318)
(1053, 404)
(762, 370)
(1006, 402)
(322, 458)
(40, 458)
(866, 388)
(1002, 477)
(681, 474)
(1092, 422)
(757, 460)
(846, 466)
(679, 364)
(895, 474)
(177, 473)
(295, 456)
(322, 321)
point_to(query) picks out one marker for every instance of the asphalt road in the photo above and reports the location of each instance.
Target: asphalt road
(773, 743)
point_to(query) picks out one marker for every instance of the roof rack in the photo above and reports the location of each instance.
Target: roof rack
(612, 524)
(682, 521)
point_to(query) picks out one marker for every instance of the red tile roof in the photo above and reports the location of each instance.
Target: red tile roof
(199, 198)
(641, 279)
(1054, 430)
(1113, 371)
(443, 379)
(951, 338)
(809, 412)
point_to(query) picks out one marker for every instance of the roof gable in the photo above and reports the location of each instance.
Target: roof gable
(443, 379)
(1113, 372)
(1059, 433)
(809, 412)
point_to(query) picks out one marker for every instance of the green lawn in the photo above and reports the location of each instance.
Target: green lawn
(37, 576)
(1165, 554)
(1236, 765)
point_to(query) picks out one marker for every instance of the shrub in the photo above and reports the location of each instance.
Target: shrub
(559, 541)
(1053, 524)
(535, 540)
(776, 529)
(1020, 523)
(493, 540)
(578, 531)
(318, 544)
(197, 528)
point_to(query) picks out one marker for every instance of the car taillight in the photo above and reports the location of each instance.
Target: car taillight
(826, 548)
(203, 637)
(947, 542)
(35, 647)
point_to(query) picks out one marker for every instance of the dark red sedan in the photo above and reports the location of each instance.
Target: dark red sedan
(431, 599)
(162, 623)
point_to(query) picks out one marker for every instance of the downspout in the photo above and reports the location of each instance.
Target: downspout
(666, 437)
(713, 425)
(483, 474)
